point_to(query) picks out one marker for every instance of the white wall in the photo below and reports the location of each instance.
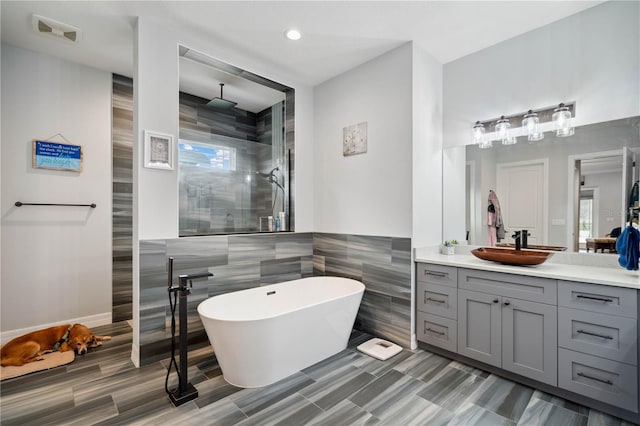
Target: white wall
(609, 200)
(427, 149)
(370, 193)
(56, 261)
(592, 58)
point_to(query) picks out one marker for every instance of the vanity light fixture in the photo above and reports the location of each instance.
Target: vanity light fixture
(534, 124)
(504, 134)
(562, 121)
(293, 34)
(478, 133)
(530, 123)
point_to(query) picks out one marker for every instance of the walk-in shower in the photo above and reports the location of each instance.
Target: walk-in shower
(234, 157)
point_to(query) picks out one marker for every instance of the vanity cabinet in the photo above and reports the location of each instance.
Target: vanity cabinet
(579, 338)
(516, 335)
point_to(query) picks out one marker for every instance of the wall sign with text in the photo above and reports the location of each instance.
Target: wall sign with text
(57, 156)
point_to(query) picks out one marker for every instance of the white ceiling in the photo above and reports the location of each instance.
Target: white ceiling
(337, 35)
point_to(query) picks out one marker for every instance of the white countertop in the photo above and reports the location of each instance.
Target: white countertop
(597, 268)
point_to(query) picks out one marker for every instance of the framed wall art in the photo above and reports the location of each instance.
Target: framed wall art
(158, 150)
(56, 156)
(354, 139)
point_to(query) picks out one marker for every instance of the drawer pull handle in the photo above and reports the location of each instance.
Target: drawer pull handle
(602, 299)
(435, 274)
(435, 331)
(595, 334)
(495, 301)
(606, 382)
(436, 300)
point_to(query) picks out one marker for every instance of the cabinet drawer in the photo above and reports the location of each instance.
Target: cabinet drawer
(608, 381)
(534, 289)
(438, 300)
(437, 331)
(598, 298)
(605, 336)
(437, 274)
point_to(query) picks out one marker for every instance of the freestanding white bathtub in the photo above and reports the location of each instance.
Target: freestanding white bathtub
(265, 334)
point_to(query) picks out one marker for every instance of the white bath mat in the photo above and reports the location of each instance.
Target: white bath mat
(380, 349)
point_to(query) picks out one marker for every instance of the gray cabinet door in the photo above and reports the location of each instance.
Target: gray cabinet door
(524, 287)
(437, 300)
(436, 330)
(608, 381)
(606, 336)
(437, 274)
(530, 339)
(479, 328)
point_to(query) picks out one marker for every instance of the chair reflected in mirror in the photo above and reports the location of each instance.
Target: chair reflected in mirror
(608, 242)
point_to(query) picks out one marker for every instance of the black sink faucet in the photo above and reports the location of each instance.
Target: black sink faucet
(517, 235)
(523, 236)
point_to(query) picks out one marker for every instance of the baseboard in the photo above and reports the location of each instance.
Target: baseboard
(135, 355)
(89, 321)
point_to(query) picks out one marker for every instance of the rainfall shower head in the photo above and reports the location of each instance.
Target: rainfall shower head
(221, 102)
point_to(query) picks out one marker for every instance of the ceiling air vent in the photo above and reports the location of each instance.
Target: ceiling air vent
(55, 29)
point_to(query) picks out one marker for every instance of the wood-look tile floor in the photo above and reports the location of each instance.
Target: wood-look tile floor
(350, 388)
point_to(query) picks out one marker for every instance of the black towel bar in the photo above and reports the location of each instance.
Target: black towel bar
(20, 204)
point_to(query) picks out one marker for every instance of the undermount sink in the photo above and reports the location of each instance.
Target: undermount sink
(512, 257)
(534, 247)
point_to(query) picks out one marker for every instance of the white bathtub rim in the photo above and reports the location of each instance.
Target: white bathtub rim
(360, 291)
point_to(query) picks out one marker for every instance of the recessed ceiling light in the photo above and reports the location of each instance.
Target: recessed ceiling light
(293, 34)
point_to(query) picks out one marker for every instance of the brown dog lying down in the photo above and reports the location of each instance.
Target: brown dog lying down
(32, 346)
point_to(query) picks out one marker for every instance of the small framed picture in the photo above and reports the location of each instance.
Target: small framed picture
(354, 139)
(158, 150)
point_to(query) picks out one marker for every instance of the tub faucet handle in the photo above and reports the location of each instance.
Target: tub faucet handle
(190, 277)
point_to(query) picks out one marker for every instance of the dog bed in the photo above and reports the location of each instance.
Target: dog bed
(51, 360)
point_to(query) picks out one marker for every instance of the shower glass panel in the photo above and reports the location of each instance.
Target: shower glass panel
(228, 184)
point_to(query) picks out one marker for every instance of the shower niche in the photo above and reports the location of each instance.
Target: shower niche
(235, 150)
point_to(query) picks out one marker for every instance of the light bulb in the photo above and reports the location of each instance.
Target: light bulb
(502, 129)
(562, 121)
(478, 133)
(530, 123)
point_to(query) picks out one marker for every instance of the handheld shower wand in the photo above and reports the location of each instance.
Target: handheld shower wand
(271, 174)
(271, 177)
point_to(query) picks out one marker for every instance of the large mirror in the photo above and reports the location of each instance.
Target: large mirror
(234, 150)
(566, 191)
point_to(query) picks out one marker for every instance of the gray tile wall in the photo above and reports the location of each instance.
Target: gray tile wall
(122, 196)
(240, 262)
(383, 264)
